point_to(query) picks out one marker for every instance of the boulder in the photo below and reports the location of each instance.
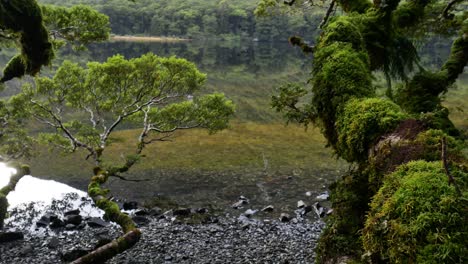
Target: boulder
(300, 204)
(269, 208)
(10, 236)
(73, 219)
(140, 220)
(96, 222)
(181, 212)
(131, 205)
(285, 217)
(72, 212)
(155, 211)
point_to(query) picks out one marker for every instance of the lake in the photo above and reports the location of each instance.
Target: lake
(258, 156)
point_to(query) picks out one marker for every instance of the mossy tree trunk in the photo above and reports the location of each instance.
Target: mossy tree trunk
(376, 135)
(112, 213)
(20, 172)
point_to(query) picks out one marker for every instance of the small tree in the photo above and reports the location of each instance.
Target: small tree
(85, 106)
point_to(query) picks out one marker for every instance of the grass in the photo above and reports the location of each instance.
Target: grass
(245, 145)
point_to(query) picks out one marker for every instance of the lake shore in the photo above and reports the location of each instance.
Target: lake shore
(118, 38)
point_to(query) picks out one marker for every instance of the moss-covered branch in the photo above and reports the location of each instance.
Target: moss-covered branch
(25, 18)
(112, 213)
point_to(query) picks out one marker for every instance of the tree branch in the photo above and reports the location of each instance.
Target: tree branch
(445, 13)
(130, 180)
(327, 14)
(451, 180)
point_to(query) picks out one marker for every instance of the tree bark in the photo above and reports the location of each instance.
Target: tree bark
(112, 213)
(20, 172)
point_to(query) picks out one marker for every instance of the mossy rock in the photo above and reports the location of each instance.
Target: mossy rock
(417, 217)
(362, 122)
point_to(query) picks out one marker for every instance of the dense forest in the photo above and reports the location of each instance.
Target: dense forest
(377, 99)
(200, 19)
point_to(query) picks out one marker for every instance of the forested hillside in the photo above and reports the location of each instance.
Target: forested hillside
(200, 18)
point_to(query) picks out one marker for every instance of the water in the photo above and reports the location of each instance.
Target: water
(257, 157)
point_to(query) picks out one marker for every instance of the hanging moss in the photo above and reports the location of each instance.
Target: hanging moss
(421, 94)
(416, 217)
(16, 67)
(25, 18)
(361, 123)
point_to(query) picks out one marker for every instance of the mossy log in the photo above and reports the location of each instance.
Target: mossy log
(20, 172)
(112, 213)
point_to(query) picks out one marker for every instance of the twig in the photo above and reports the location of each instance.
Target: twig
(327, 14)
(451, 180)
(130, 180)
(445, 13)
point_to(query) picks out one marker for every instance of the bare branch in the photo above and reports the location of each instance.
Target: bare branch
(327, 14)
(445, 13)
(130, 180)
(451, 180)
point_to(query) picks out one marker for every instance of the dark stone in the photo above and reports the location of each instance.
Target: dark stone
(54, 242)
(202, 210)
(97, 222)
(72, 212)
(130, 205)
(155, 211)
(243, 198)
(181, 212)
(73, 219)
(10, 236)
(56, 223)
(44, 221)
(269, 208)
(319, 209)
(74, 254)
(140, 220)
(306, 209)
(141, 212)
(70, 226)
(284, 217)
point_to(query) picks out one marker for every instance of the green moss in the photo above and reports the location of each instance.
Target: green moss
(439, 119)
(421, 94)
(3, 209)
(361, 123)
(332, 85)
(349, 197)
(417, 217)
(16, 67)
(342, 29)
(359, 6)
(25, 17)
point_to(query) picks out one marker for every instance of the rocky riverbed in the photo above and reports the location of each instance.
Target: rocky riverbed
(180, 235)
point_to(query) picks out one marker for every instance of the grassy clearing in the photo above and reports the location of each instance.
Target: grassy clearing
(243, 146)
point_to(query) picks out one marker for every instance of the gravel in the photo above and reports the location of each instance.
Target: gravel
(166, 241)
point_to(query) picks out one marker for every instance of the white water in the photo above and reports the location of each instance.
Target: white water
(42, 193)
